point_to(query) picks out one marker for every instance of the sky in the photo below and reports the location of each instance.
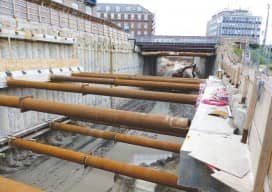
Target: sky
(189, 17)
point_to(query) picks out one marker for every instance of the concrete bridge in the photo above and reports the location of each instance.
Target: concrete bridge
(202, 49)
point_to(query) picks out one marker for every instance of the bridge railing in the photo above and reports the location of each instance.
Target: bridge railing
(176, 40)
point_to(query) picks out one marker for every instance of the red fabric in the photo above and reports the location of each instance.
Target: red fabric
(214, 102)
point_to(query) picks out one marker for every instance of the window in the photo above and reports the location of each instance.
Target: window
(128, 8)
(125, 16)
(139, 16)
(112, 15)
(107, 8)
(119, 16)
(74, 5)
(139, 9)
(132, 16)
(98, 8)
(119, 24)
(139, 32)
(139, 25)
(146, 17)
(117, 8)
(90, 11)
(145, 32)
(132, 25)
(145, 25)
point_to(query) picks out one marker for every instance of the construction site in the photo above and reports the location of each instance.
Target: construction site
(86, 107)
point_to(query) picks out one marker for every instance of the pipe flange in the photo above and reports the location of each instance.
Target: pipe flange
(83, 88)
(21, 99)
(85, 161)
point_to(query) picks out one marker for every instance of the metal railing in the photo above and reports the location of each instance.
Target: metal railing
(176, 40)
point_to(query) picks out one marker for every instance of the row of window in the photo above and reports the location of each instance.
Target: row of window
(123, 16)
(242, 28)
(117, 8)
(239, 32)
(133, 25)
(240, 35)
(242, 19)
(139, 33)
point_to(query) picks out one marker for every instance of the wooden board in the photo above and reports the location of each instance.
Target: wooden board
(243, 184)
(28, 64)
(223, 152)
(261, 132)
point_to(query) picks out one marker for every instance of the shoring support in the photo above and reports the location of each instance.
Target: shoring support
(139, 77)
(135, 120)
(133, 171)
(116, 92)
(124, 138)
(7, 185)
(124, 82)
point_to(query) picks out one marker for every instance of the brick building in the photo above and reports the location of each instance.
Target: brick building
(133, 18)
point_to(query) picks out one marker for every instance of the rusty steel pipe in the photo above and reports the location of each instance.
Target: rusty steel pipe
(7, 185)
(126, 93)
(138, 77)
(130, 139)
(174, 125)
(125, 82)
(100, 163)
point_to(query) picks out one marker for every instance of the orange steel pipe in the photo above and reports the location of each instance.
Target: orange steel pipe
(130, 139)
(126, 93)
(100, 163)
(125, 82)
(139, 77)
(178, 126)
(7, 185)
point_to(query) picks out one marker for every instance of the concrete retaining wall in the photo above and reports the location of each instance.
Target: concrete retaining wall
(41, 45)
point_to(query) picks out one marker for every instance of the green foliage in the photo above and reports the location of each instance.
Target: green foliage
(237, 51)
(254, 46)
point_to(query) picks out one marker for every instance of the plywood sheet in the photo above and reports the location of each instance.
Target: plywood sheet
(244, 184)
(226, 153)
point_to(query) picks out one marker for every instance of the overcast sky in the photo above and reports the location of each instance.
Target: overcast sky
(189, 17)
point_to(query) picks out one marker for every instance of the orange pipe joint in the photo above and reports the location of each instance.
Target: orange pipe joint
(139, 77)
(130, 139)
(125, 93)
(125, 82)
(136, 120)
(133, 171)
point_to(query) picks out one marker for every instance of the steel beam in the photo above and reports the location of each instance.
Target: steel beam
(138, 77)
(125, 93)
(8, 185)
(176, 53)
(124, 138)
(140, 121)
(138, 172)
(124, 82)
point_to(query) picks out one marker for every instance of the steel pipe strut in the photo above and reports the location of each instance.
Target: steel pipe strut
(125, 82)
(162, 124)
(100, 163)
(130, 139)
(126, 93)
(139, 77)
(7, 185)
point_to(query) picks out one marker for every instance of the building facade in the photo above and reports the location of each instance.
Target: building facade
(86, 6)
(236, 24)
(133, 18)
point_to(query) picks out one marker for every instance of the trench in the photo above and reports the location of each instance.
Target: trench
(54, 175)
